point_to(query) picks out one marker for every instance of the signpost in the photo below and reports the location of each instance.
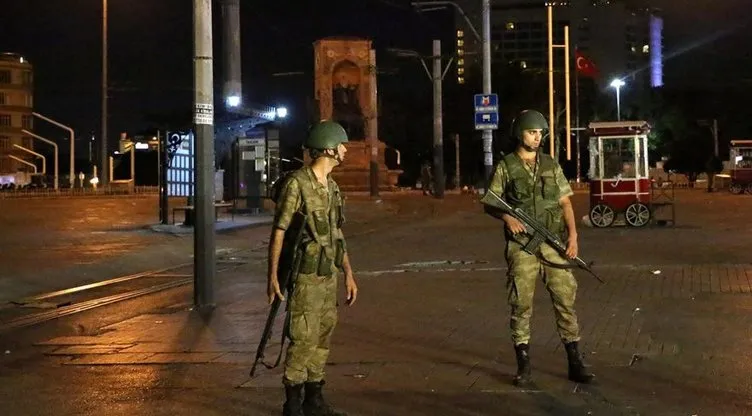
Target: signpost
(487, 118)
(486, 111)
(180, 170)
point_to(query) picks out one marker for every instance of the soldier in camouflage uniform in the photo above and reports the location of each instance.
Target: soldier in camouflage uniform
(312, 307)
(534, 181)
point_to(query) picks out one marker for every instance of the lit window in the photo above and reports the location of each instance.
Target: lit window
(460, 71)
(645, 48)
(461, 61)
(460, 33)
(460, 80)
(460, 42)
(460, 52)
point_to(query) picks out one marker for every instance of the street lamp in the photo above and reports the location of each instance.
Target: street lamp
(103, 142)
(617, 84)
(281, 112)
(53, 144)
(233, 101)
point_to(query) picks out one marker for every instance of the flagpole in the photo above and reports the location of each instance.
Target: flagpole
(577, 111)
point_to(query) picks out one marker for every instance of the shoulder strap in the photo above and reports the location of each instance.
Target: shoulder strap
(546, 161)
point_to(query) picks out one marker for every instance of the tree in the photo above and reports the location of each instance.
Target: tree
(689, 154)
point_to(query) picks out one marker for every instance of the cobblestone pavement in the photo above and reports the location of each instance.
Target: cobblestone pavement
(667, 335)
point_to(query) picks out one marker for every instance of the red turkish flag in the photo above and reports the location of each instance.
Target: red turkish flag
(585, 66)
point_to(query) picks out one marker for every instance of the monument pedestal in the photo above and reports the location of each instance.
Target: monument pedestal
(346, 93)
(354, 174)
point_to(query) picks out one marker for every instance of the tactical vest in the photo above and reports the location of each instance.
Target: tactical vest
(322, 243)
(538, 194)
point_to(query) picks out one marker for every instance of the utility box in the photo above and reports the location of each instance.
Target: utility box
(256, 166)
(249, 155)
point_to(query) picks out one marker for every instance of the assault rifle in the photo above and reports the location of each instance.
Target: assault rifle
(289, 263)
(538, 234)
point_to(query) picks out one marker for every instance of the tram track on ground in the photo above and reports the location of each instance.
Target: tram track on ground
(61, 303)
(39, 309)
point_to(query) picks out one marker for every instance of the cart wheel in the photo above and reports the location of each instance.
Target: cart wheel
(736, 188)
(637, 215)
(602, 216)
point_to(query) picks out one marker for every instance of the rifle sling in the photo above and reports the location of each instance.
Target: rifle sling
(555, 265)
(285, 334)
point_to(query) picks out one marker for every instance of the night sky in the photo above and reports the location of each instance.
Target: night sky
(150, 49)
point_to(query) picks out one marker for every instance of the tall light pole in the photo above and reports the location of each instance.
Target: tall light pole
(103, 144)
(567, 89)
(204, 239)
(617, 84)
(54, 145)
(39, 155)
(551, 110)
(438, 126)
(485, 40)
(233, 89)
(436, 76)
(72, 178)
(487, 134)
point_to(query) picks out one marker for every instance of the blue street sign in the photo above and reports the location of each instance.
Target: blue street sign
(486, 111)
(486, 121)
(486, 103)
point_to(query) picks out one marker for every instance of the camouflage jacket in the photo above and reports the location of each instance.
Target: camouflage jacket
(324, 209)
(536, 190)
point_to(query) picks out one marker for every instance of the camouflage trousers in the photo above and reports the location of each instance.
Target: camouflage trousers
(312, 318)
(522, 277)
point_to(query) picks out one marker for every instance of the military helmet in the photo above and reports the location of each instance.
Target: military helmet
(528, 120)
(326, 134)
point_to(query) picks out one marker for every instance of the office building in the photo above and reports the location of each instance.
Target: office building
(623, 41)
(16, 106)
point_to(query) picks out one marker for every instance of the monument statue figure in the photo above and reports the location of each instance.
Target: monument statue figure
(346, 108)
(345, 91)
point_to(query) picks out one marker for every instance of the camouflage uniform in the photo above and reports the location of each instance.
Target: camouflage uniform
(537, 190)
(312, 306)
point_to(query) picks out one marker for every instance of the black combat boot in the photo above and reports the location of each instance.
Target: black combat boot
(523, 377)
(294, 403)
(577, 371)
(314, 404)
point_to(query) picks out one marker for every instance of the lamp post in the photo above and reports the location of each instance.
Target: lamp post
(18, 159)
(485, 40)
(44, 159)
(617, 84)
(53, 144)
(103, 140)
(72, 144)
(436, 76)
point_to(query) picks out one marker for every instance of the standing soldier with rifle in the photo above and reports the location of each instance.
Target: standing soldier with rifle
(312, 270)
(533, 182)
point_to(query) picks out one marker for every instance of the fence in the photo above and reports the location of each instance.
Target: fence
(78, 192)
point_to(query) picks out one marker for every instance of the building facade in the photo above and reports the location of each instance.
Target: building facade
(16, 107)
(623, 41)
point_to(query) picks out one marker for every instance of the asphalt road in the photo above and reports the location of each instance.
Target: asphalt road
(668, 335)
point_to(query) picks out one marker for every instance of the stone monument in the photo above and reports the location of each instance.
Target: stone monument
(345, 91)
